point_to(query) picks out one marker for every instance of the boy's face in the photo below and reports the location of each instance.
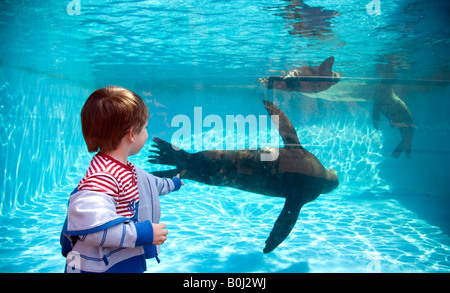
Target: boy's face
(139, 140)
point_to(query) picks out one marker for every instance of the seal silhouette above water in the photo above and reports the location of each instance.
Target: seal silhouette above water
(305, 79)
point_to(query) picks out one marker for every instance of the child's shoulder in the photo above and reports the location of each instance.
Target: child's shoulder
(142, 173)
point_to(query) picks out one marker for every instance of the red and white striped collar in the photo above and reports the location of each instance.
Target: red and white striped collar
(129, 166)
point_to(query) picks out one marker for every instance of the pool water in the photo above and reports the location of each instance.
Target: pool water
(387, 215)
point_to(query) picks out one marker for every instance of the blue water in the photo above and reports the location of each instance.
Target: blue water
(387, 215)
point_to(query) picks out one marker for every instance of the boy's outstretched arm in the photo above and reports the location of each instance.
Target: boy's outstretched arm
(166, 185)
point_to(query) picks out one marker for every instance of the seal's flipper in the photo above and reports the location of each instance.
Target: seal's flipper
(285, 127)
(285, 222)
(398, 151)
(167, 154)
(402, 146)
(325, 69)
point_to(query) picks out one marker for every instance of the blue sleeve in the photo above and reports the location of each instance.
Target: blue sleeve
(177, 183)
(144, 233)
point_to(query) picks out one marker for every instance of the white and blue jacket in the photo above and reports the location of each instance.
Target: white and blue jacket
(95, 239)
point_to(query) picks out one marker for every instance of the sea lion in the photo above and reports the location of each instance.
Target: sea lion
(385, 101)
(398, 114)
(305, 79)
(295, 174)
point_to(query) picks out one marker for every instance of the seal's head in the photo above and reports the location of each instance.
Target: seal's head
(264, 81)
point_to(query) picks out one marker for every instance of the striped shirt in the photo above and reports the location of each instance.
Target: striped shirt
(106, 174)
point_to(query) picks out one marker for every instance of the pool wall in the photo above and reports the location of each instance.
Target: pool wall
(40, 134)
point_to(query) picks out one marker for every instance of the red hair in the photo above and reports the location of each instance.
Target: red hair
(108, 114)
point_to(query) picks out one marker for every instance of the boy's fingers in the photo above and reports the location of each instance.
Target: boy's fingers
(160, 233)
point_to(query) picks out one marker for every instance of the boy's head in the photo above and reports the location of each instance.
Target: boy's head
(108, 114)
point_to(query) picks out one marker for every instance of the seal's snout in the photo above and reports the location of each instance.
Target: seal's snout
(264, 81)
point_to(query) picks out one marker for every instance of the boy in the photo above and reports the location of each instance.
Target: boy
(113, 215)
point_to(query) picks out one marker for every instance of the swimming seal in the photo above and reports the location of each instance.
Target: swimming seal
(295, 174)
(395, 110)
(305, 79)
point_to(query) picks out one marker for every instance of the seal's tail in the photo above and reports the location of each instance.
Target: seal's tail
(167, 154)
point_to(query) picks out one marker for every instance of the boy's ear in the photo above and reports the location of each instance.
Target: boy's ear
(130, 134)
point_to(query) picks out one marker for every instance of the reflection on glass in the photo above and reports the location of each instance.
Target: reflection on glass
(305, 20)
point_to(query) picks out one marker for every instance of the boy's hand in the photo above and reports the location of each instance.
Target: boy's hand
(181, 174)
(159, 234)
